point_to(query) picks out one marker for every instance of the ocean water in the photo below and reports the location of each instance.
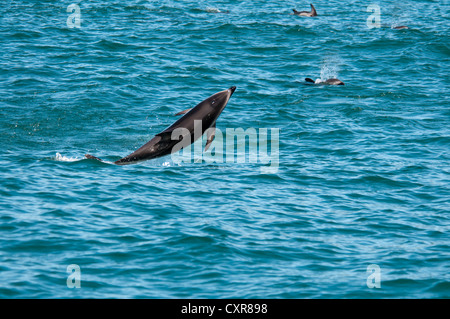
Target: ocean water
(357, 206)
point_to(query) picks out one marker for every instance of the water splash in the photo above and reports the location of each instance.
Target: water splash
(399, 15)
(62, 158)
(329, 68)
(215, 10)
(212, 10)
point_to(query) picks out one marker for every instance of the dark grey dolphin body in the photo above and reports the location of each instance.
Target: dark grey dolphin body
(311, 13)
(400, 27)
(204, 114)
(329, 81)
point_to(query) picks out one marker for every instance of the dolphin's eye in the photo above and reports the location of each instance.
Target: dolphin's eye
(213, 102)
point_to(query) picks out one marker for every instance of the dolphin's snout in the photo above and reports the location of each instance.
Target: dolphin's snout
(232, 89)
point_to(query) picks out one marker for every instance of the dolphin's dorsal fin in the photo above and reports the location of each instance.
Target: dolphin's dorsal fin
(183, 112)
(211, 133)
(309, 80)
(313, 10)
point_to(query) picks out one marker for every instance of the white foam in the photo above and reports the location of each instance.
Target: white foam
(213, 10)
(329, 68)
(62, 158)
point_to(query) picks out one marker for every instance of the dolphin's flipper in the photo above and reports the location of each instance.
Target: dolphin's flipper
(166, 135)
(183, 112)
(211, 133)
(309, 80)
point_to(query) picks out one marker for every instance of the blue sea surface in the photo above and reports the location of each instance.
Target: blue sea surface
(358, 206)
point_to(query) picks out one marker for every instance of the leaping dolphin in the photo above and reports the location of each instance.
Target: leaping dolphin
(311, 13)
(204, 114)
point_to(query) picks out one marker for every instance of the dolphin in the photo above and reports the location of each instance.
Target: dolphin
(400, 27)
(329, 81)
(204, 114)
(311, 13)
